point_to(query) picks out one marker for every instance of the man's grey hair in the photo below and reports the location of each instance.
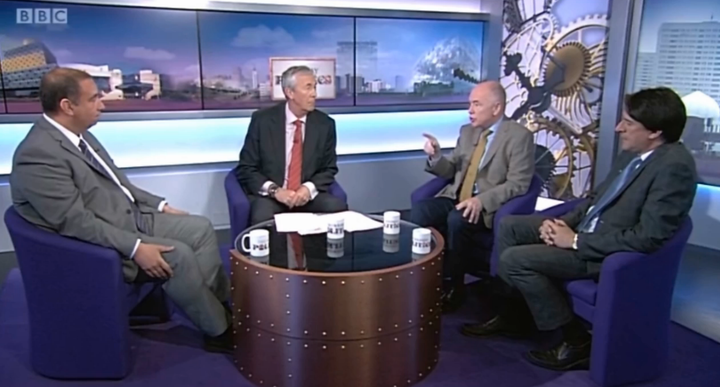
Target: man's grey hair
(288, 80)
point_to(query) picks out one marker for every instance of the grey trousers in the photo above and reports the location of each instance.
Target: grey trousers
(537, 270)
(199, 284)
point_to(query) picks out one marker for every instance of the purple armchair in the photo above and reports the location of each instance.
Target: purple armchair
(520, 205)
(629, 309)
(239, 206)
(78, 303)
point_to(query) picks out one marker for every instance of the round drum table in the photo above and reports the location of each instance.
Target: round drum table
(361, 311)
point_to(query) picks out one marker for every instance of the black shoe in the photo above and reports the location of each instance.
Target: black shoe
(453, 298)
(562, 357)
(220, 344)
(496, 326)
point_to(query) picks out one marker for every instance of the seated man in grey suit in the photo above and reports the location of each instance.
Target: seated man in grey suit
(639, 207)
(63, 180)
(492, 163)
(288, 160)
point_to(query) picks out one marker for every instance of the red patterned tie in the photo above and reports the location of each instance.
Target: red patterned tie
(297, 244)
(295, 168)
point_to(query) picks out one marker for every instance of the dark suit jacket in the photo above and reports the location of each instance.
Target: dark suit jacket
(262, 157)
(649, 210)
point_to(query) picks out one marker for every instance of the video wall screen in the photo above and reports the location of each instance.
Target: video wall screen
(146, 59)
(679, 47)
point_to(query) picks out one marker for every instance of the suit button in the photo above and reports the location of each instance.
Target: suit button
(128, 211)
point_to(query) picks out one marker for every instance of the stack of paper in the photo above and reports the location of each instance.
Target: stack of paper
(305, 223)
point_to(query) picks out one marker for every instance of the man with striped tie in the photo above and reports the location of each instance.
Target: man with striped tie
(63, 180)
(288, 160)
(638, 208)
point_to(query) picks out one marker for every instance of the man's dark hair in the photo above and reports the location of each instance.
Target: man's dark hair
(658, 110)
(58, 84)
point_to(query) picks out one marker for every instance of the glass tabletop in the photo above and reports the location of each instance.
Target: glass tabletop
(357, 251)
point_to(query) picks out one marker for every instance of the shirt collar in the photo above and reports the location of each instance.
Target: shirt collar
(74, 138)
(645, 155)
(495, 127)
(291, 118)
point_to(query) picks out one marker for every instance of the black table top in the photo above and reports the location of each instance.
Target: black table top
(357, 252)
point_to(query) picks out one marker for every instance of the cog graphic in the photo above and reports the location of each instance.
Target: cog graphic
(579, 51)
(574, 157)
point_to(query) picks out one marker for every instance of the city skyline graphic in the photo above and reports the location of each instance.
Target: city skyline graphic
(378, 61)
(679, 47)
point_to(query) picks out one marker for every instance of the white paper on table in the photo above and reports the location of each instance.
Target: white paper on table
(296, 221)
(305, 223)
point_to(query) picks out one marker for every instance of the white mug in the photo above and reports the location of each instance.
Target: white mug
(259, 243)
(391, 243)
(336, 228)
(391, 223)
(335, 248)
(421, 241)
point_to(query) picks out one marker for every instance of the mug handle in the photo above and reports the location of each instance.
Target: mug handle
(242, 243)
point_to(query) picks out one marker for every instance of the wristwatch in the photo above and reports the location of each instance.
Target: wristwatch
(273, 190)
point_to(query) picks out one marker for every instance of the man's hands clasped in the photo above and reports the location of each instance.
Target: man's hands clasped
(293, 198)
(555, 232)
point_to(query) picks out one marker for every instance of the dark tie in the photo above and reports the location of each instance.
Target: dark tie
(610, 194)
(139, 221)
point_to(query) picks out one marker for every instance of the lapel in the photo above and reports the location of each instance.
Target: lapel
(311, 139)
(657, 153)
(494, 145)
(69, 146)
(277, 133)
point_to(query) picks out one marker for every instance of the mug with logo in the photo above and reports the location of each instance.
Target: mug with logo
(336, 228)
(391, 223)
(259, 245)
(421, 241)
(391, 243)
(335, 248)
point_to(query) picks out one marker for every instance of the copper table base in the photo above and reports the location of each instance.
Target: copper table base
(364, 329)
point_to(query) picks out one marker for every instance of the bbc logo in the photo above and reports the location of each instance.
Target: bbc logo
(41, 16)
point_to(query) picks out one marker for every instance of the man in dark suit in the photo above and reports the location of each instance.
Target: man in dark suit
(288, 161)
(492, 163)
(63, 180)
(638, 208)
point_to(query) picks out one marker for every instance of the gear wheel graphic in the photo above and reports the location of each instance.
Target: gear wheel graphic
(574, 157)
(585, 22)
(575, 59)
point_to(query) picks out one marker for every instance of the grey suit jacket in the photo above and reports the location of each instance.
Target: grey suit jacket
(506, 171)
(56, 188)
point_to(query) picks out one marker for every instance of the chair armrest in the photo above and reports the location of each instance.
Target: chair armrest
(428, 190)
(238, 205)
(337, 191)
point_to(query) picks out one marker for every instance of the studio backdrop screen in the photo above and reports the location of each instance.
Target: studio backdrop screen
(679, 47)
(146, 59)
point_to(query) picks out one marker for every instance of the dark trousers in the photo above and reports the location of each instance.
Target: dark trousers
(264, 208)
(461, 236)
(537, 270)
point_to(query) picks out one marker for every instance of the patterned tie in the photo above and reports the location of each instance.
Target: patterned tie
(469, 181)
(296, 155)
(297, 245)
(139, 221)
(609, 195)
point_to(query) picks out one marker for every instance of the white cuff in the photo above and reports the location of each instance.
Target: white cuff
(311, 187)
(137, 244)
(162, 205)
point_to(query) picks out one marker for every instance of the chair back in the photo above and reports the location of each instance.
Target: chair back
(238, 206)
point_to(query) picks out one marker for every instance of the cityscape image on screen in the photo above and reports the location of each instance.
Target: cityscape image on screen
(194, 60)
(150, 68)
(679, 48)
(412, 61)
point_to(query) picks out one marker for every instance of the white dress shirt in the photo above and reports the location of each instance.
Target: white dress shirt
(75, 140)
(290, 119)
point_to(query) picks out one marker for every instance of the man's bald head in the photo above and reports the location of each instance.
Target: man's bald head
(487, 104)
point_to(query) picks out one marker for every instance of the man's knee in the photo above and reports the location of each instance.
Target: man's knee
(334, 204)
(456, 221)
(509, 223)
(180, 256)
(513, 259)
(261, 210)
(202, 224)
(418, 214)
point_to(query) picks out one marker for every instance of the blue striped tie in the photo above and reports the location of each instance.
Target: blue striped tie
(609, 195)
(139, 221)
